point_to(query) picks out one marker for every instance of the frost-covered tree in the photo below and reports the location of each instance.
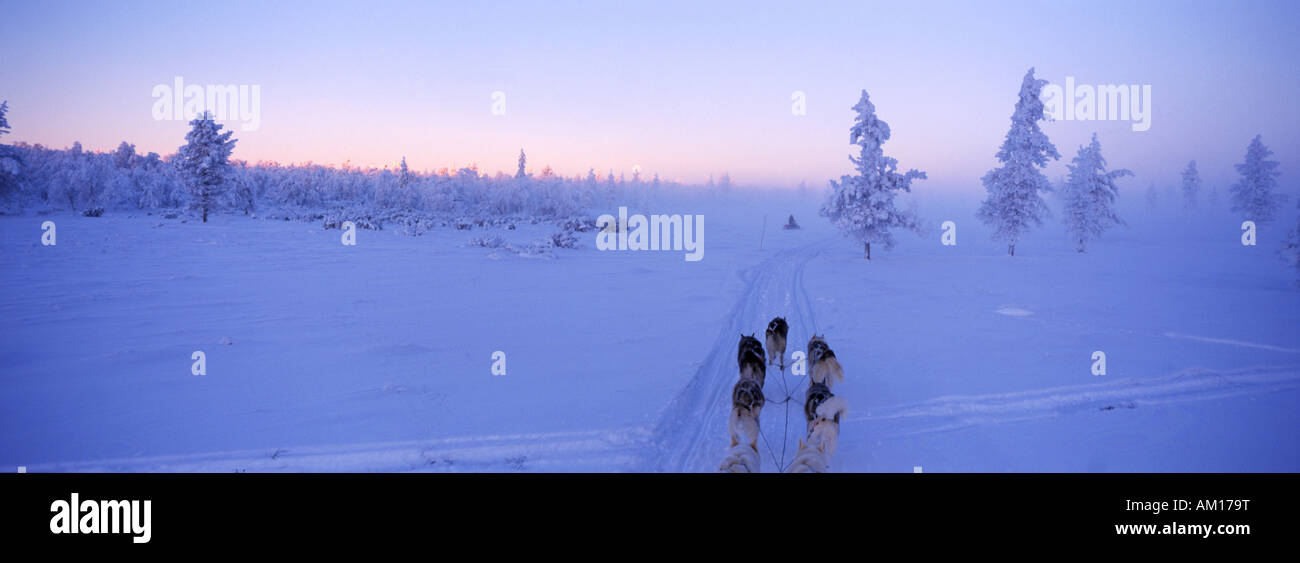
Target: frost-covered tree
(1191, 185)
(403, 175)
(124, 156)
(523, 163)
(862, 205)
(1254, 195)
(1015, 203)
(204, 162)
(1090, 194)
(10, 161)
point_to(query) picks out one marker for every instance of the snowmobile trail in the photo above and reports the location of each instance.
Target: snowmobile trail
(691, 435)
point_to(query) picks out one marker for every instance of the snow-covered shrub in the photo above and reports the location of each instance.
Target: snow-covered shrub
(335, 218)
(564, 239)
(487, 241)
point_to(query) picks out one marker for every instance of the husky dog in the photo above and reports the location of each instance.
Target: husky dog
(746, 406)
(817, 394)
(814, 455)
(748, 345)
(816, 347)
(750, 358)
(776, 333)
(822, 365)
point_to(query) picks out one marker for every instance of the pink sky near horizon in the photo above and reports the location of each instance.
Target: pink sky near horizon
(680, 89)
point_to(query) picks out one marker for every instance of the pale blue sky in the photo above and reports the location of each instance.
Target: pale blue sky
(677, 87)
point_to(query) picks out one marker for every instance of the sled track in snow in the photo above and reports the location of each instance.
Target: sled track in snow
(585, 451)
(691, 434)
(956, 412)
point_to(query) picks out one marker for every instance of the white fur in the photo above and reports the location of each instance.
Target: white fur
(810, 459)
(814, 456)
(743, 426)
(741, 458)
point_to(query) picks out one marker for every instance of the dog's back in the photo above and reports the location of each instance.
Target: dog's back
(749, 355)
(746, 406)
(817, 394)
(814, 455)
(816, 348)
(777, 330)
(823, 366)
(748, 395)
(748, 345)
(778, 327)
(827, 370)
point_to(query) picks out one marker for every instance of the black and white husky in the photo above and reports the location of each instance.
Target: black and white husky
(746, 405)
(823, 367)
(749, 356)
(814, 455)
(776, 334)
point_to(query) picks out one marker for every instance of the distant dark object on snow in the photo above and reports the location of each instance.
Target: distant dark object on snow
(93, 212)
(791, 224)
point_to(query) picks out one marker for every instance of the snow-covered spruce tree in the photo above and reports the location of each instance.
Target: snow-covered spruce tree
(1254, 195)
(523, 163)
(204, 162)
(1090, 194)
(403, 175)
(1015, 202)
(862, 205)
(1191, 185)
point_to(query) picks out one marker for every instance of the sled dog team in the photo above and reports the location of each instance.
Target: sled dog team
(822, 409)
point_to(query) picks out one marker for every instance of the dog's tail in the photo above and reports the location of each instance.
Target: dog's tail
(832, 408)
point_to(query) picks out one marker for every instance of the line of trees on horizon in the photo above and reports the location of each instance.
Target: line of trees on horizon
(202, 178)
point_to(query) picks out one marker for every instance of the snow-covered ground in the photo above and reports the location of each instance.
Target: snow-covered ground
(322, 357)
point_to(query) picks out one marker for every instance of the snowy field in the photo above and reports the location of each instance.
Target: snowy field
(323, 357)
